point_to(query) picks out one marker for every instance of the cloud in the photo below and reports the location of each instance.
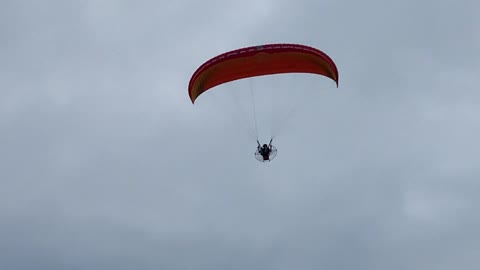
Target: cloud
(106, 163)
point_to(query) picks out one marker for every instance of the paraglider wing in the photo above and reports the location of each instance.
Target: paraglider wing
(260, 60)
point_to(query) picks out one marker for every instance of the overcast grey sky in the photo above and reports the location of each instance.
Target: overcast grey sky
(105, 163)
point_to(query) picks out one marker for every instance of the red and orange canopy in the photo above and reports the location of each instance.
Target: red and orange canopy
(260, 60)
